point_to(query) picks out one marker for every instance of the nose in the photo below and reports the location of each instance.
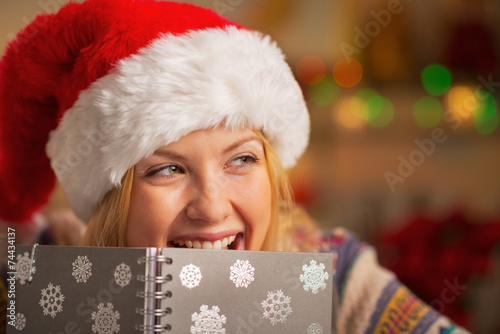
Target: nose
(210, 202)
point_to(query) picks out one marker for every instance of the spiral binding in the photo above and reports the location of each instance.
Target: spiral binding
(157, 258)
(154, 279)
(156, 295)
(156, 311)
(153, 328)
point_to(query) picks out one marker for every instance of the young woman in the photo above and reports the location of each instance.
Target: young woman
(170, 126)
(212, 189)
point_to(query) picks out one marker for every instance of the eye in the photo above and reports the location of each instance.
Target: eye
(169, 170)
(243, 160)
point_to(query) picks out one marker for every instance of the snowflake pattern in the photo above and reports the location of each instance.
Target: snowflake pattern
(105, 319)
(208, 321)
(82, 269)
(314, 328)
(122, 275)
(190, 276)
(23, 267)
(20, 321)
(51, 301)
(242, 273)
(314, 276)
(276, 307)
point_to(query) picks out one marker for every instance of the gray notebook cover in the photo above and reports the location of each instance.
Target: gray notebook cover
(132, 290)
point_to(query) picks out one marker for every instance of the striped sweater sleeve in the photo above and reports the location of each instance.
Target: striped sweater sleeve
(370, 299)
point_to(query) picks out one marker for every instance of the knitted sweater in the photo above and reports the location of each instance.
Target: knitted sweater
(369, 298)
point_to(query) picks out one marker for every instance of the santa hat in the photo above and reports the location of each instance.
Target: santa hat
(91, 90)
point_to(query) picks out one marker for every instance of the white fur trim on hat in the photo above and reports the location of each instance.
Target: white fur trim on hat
(176, 85)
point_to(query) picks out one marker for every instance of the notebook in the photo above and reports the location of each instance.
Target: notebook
(175, 290)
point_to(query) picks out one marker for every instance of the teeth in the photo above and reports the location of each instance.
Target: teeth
(217, 244)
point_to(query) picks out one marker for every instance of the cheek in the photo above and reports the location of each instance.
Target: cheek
(263, 201)
(257, 207)
(150, 217)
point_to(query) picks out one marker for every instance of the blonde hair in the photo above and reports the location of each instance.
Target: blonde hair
(108, 224)
(281, 229)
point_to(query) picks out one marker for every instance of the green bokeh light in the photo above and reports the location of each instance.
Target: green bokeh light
(365, 94)
(378, 111)
(436, 79)
(486, 118)
(324, 93)
(428, 112)
(487, 98)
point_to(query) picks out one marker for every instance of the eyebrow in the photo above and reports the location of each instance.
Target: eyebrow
(231, 147)
(243, 141)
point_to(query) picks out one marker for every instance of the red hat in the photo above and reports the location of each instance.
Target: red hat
(105, 83)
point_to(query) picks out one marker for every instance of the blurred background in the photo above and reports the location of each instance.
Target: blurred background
(405, 140)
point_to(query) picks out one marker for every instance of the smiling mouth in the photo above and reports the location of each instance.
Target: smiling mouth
(230, 242)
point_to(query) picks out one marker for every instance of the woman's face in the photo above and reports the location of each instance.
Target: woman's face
(209, 189)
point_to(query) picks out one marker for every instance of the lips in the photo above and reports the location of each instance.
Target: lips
(229, 242)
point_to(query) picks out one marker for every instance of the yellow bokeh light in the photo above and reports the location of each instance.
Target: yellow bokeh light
(348, 113)
(462, 102)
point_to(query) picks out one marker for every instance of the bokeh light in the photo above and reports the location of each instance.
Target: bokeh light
(310, 70)
(348, 113)
(324, 93)
(378, 111)
(366, 93)
(436, 79)
(347, 72)
(486, 118)
(486, 97)
(461, 101)
(428, 112)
